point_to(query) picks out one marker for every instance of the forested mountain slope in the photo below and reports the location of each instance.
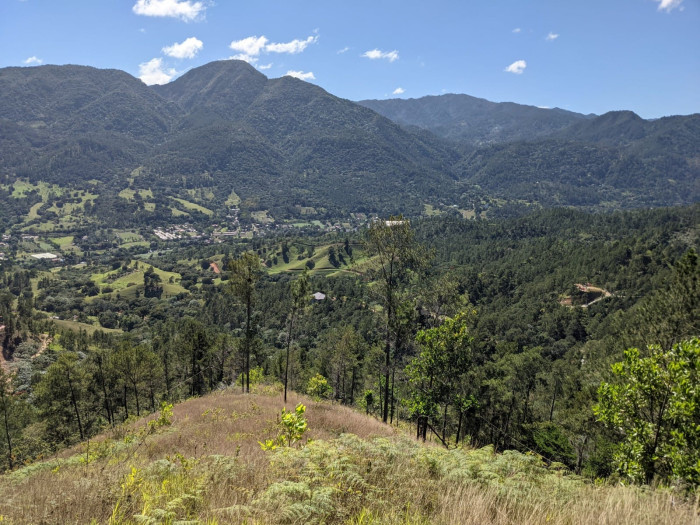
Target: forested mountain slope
(287, 148)
(475, 121)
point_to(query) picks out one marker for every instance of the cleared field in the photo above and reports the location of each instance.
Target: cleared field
(194, 207)
(131, 284)
(321, 263)
(63, 242)
(261, 217)
(34, 212)
(202, 194)
(89, 328)
(129, 194)
(178, 213)
(233, 199)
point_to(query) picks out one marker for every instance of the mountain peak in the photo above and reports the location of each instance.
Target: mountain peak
(217, 90)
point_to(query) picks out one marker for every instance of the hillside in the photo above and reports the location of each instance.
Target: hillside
(475, 121)
(292, 152)
(203, 464)
(224, 126)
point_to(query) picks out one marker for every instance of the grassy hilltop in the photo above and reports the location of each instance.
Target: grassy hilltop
(203, 464)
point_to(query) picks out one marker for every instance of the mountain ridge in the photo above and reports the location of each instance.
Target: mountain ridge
(283, 144)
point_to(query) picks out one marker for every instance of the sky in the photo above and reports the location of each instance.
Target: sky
(589, 56)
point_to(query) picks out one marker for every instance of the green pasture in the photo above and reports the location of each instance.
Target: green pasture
(194, 207)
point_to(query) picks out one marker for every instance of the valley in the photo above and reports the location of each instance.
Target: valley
(234, 298)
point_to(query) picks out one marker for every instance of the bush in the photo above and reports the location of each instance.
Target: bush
(318, 387)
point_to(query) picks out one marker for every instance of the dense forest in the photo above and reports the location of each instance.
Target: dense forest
(474, 332)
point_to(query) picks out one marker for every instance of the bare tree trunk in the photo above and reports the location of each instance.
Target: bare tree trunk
(393, 377)
(289, 346)
(136, 395)
(352, 387)
(248, 334)
(459, 428)
(7, 426)
(126, 403)
(387, 365)
(74, 402)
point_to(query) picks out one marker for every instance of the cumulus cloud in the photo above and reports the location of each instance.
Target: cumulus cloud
(516, 30)
(267, 66)
(186, 49)
(551, 36)
(301, 75)
(252, 47)
(344, 50)
(375, 54)
(249, 46)
(669, 5)
(398, 91)
(293, 47)
(516, 67)
(183, 9)
(33, 60)
(152, 72)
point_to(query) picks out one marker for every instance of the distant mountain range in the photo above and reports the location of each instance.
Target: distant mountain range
(283, 145)
(475, 121)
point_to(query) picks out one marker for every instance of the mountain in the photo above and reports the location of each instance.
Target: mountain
(224, 133)
(63, 100)
(668, 135)
(327, 151)
(475, 121)
(224, 126)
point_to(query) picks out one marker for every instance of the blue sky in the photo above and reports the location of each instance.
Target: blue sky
(589, 56)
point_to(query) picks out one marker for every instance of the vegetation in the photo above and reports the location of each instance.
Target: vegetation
(656, 408)
(513, 363)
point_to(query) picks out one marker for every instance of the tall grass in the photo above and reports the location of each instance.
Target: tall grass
(207, 467)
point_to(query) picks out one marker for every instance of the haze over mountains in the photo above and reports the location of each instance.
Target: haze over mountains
(281, 144)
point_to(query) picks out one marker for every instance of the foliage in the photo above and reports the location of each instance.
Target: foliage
(656, 409)
(292, 426)
(318, 387)
(435, 373)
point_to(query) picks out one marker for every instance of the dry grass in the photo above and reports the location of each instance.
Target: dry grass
(230, 424)
(208, 467)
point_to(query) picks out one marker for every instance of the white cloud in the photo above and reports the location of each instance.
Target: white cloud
(551, 36)
(375, 54)
(293, 47)
(268, 66)
(252, 47)
(344, 50)
(33, 60)
(183, 9)
(516, 30)
(398, 91)
(669, 5)
(186, 49)
(301, 75)
(152, 72)
(516, 67)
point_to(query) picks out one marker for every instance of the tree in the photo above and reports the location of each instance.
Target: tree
(655, 408)
(392, 243)
(435, 373)
(6, 403)
(672, 314)
(151, 284)
(245, 273)
(61, 396)
(299, 291)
